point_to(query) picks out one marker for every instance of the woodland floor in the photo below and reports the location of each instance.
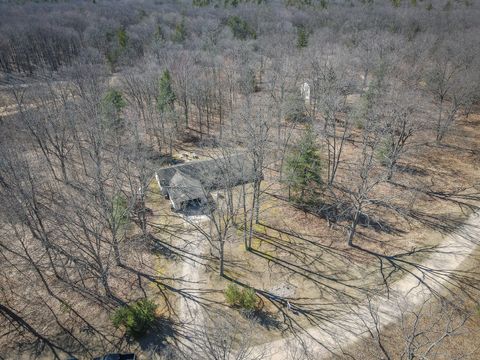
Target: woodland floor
(297, 257)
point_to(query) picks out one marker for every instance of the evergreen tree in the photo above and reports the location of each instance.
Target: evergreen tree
(112, 106)
(248, 82)
(295, 108)
(122, 38)
(166, 97)
(302, 37)
(119, 211)
(159, 34)
(137, 318)
(240, 28)
(396, 3)
(298, 3)
(303, 167)
(180, 33)
(201, 3)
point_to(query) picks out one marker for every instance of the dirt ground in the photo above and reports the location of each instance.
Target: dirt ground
(302, 258)
(298, 256)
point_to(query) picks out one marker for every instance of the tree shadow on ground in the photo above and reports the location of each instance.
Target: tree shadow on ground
(463, 197)
(472, 152)
(406, 262)
(157, 336)
(292, 314)
(160, 282)
(330, 283)
(278, 302)
(444, 223)
(410, 170)
(310, 259)
(170, 251)
(437, 281)
(159, 159)
(267, 320)
(154, 246)
(262, 317)
(342, 212)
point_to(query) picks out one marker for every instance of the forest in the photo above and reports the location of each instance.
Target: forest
(236, 179)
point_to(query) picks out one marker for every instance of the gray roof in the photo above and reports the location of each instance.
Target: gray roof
(183, 188)
(213, 174)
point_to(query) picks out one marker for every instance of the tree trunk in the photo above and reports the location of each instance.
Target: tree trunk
(245, 218)
(353, 226)
(221, 257)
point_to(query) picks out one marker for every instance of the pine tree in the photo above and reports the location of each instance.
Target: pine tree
(166, 97)
(240, 28)
(159, 34)
(112, 106)
(180, 33)
(303, 167)
(122, 38)
(396, 3)
(302, 37)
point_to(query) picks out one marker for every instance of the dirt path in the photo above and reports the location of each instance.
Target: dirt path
(410, 291)
(189, 312)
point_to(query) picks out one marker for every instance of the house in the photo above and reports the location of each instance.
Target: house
(189, 184)
(185, 192)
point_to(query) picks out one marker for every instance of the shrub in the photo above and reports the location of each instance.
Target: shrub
(232, 294)
(248, 299)
(245, 298)
(137, 318)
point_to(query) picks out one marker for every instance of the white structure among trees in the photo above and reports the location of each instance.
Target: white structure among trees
(305, 90)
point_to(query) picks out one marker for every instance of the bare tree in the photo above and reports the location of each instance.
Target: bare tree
(450, 78)
(225, 338)
(330, 96)
(422, 332)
